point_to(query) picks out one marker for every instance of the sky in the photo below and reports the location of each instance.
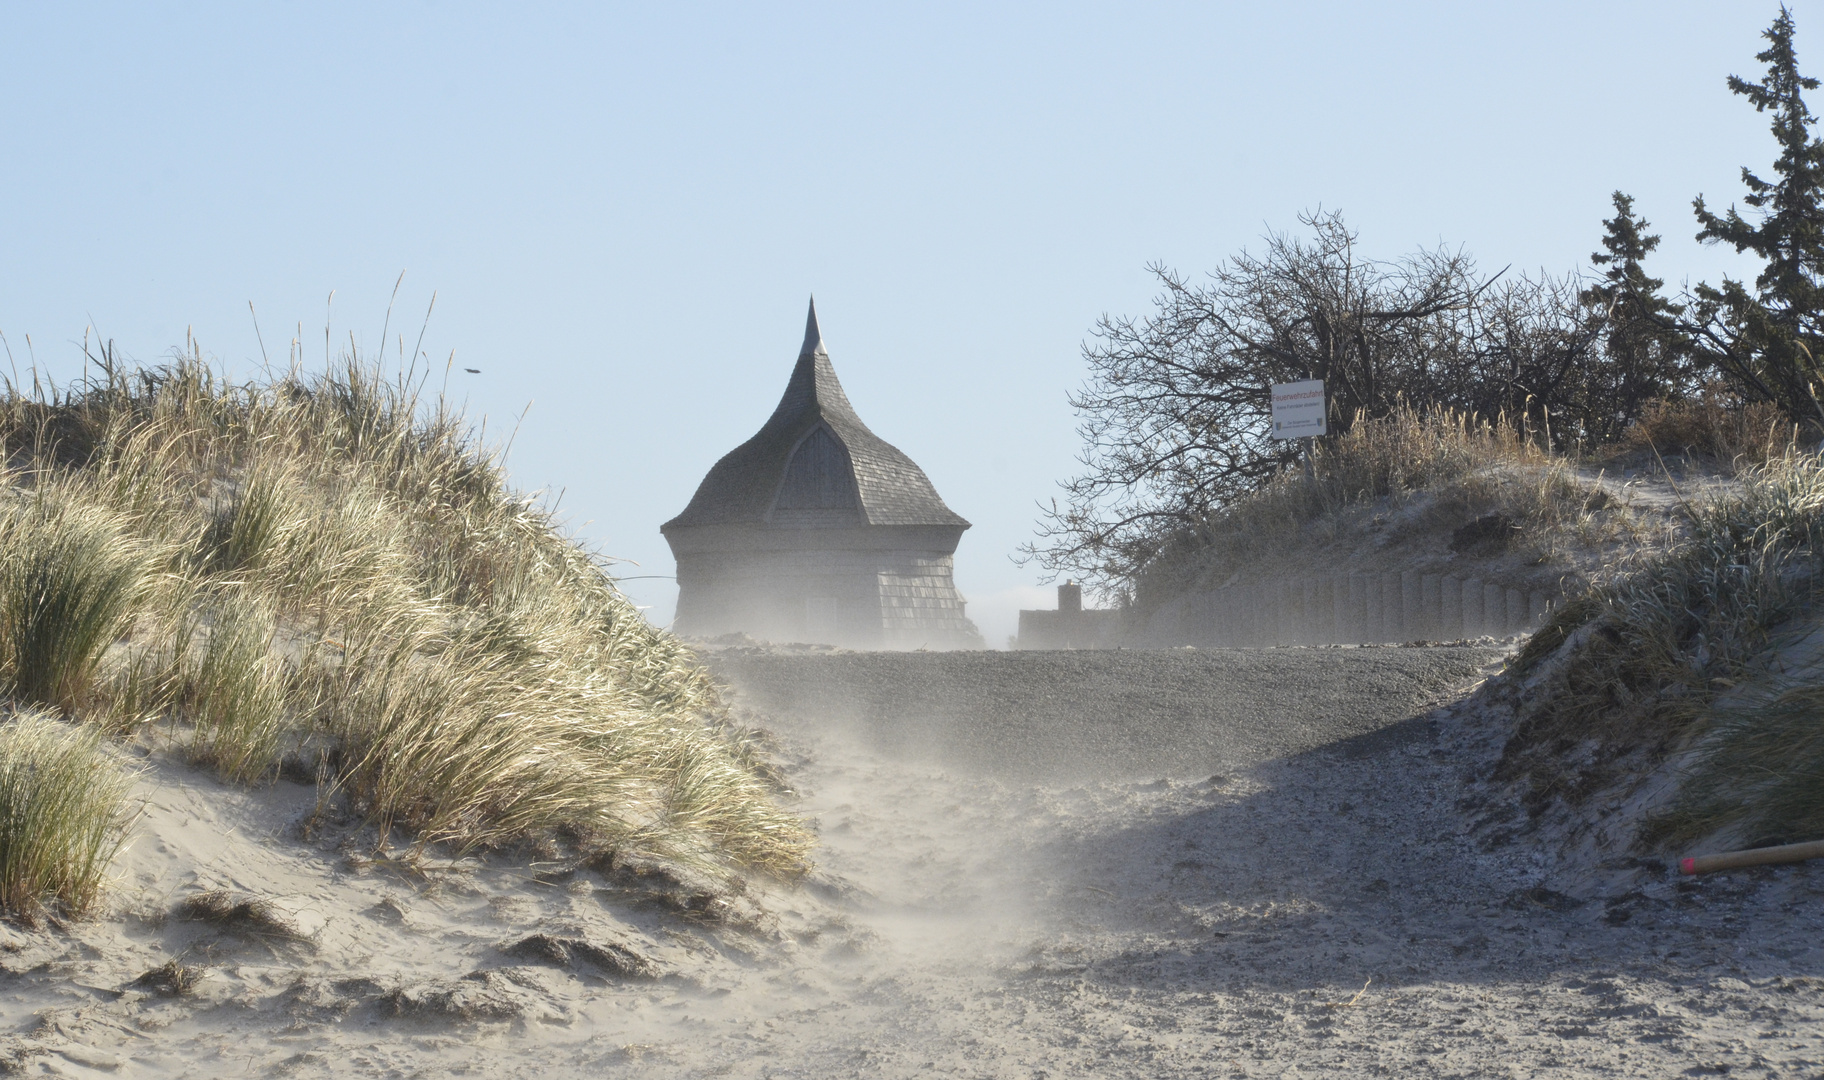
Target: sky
(622, 209)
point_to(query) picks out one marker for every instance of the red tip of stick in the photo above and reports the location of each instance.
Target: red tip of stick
(1688, 866)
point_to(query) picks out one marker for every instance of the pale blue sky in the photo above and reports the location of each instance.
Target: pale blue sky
(623, 208)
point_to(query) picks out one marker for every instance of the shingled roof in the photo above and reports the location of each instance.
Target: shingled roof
(745, 485)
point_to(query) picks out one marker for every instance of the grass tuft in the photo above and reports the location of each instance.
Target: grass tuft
(68, 580)
(234, 691)
(246, 530)
(63, 815)
(173, 978)
(1744, 435)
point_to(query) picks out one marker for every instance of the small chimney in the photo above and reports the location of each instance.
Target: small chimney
(1070, 597)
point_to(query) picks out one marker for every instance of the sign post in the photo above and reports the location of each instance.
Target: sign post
(1298, 409)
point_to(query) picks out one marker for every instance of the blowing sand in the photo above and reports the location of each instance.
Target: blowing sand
(1141, 864)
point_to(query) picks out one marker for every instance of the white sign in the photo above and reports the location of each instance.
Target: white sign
(1298, 409)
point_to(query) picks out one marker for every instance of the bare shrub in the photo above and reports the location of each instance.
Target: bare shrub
(1176, 413)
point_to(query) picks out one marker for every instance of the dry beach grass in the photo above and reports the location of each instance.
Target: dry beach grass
(329, 574)
(63, 815)
(1423, 470)
(1388, 480)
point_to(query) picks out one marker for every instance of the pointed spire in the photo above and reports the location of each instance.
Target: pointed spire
(813, 337)
(741, 488)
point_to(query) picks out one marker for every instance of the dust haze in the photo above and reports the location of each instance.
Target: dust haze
(1121, 864)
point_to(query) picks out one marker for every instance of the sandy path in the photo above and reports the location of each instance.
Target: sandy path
(1097, 907)
(1184, 927)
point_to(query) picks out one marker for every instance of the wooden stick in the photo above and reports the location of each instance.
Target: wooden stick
(1729, 860)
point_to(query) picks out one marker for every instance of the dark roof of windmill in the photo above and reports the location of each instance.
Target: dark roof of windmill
(741, 487)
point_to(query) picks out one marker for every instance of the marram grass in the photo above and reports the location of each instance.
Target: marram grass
(332, 568)
(1759, 771)
(68, 579)
(1652, 651)
(63, 815)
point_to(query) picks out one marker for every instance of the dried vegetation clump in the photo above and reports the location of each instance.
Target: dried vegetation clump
(241, 913)
(330, 576)
(1757, 773)
(173, 978)
(610, 959)
(1732, 434)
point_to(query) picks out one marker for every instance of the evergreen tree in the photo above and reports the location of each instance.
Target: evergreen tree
(1769, 340)
(1643, 357)
(1625, 245)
